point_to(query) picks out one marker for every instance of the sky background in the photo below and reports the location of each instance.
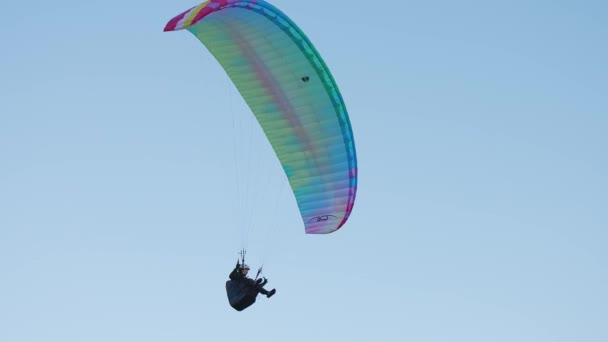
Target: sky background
(131, 173)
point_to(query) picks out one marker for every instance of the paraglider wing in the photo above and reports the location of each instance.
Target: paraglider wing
(293, 96)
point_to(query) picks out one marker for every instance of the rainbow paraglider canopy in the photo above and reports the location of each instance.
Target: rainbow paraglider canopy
(293, 96)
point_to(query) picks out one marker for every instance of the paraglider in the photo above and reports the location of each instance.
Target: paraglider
(241, 290)
(294, 97)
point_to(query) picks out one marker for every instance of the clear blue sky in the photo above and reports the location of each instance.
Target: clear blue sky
(481, 132)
